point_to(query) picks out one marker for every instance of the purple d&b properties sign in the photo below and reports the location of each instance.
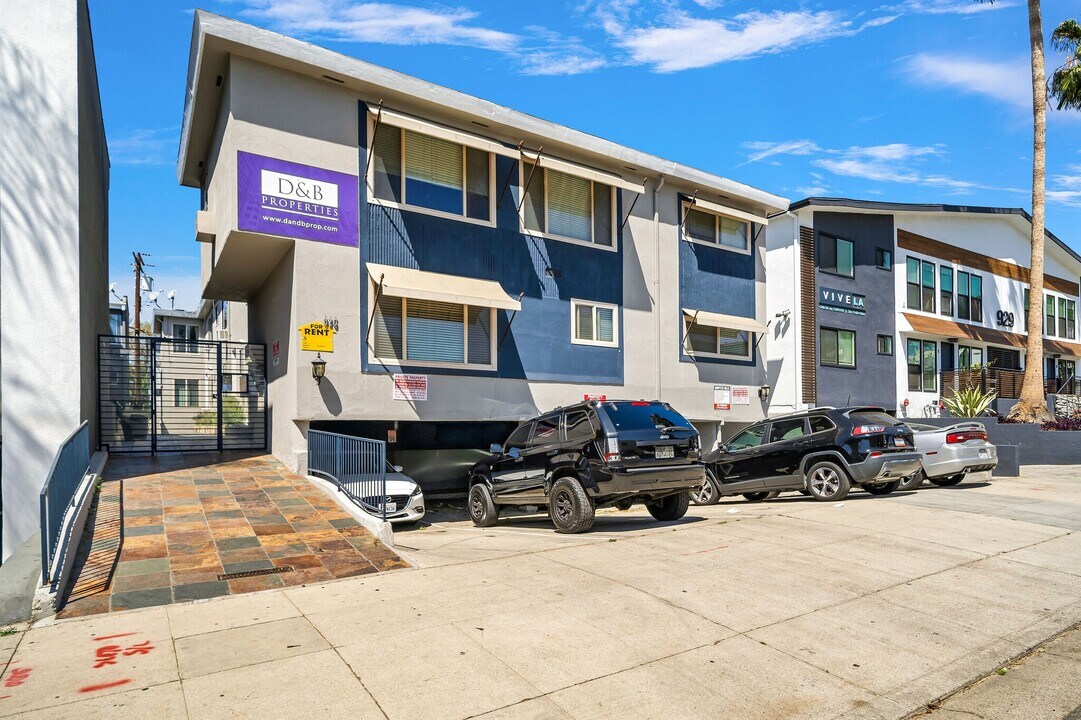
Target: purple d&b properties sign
(277, 197)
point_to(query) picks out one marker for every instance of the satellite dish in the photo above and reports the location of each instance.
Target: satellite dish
(112, 287)
(154, 297)
(171, 294)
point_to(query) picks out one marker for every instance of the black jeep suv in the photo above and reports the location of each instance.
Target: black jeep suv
(822, 452)
(593, 454)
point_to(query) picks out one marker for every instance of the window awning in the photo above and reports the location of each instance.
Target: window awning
(398, 119)
(731, 322)
(583, 171)
(421, 285)
(730, 212)
(966, 331)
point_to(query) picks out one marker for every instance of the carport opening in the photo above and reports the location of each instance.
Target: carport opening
(437, 455)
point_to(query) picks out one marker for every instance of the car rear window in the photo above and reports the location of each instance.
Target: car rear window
(874, 418)
(643, 416)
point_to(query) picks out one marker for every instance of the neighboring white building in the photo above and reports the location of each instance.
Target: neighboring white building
(892, 304)
(471, 280)
(54, 182)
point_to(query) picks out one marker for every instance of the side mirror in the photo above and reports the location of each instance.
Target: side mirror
(398, 468)
(496, 448)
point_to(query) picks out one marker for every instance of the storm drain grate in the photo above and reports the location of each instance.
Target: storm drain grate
(255, 573)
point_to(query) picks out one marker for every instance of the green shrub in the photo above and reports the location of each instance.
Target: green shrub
(969, 402)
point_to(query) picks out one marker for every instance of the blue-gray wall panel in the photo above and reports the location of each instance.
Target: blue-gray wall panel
(549, 272)
(873, 381)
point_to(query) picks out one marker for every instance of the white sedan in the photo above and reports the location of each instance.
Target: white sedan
(404, 500)
(949, 453)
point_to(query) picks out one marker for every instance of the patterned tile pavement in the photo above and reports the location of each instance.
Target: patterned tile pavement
(165, 528)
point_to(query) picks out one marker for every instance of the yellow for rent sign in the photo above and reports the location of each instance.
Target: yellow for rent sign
(316, 337)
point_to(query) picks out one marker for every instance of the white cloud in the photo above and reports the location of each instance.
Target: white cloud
(945, 7)
(690, 42)
(144, 146)
(762, 150)
(378, 22)
(1008, 81)
(545, 62)
(1066, 189)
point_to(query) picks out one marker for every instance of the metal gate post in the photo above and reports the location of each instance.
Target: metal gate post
(221, 405)
(151, 385)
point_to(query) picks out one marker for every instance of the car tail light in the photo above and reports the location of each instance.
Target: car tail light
(868, 429)
(876, 453)
(611, 453)
(639, 403)
(964, 436)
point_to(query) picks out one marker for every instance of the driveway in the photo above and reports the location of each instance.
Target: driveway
(870, 608)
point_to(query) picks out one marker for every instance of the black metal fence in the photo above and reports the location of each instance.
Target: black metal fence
(358, 466)
(58, 494)
(164, 395)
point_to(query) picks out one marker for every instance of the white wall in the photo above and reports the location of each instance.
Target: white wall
(783, 295)
(53, 295)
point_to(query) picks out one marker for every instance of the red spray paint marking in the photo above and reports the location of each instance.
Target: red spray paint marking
(104, 686)
(112, 637)
(17, 677)
(107, 654)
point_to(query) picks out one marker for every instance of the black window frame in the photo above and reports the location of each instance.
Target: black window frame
(921, 373)
(552, 419)
(826, 241)
(588, 421)
(887, 253)
(889, 345)
(838, 365)
(945, 297)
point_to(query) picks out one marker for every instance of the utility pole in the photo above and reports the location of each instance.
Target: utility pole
(138, 266)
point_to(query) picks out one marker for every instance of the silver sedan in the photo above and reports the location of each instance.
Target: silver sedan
(949, 453)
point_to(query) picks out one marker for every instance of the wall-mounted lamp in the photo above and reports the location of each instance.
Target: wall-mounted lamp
(319, 368)
(783, 315)
(763, 392)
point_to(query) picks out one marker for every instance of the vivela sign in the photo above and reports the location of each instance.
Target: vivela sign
(840, 301)
(277, 197)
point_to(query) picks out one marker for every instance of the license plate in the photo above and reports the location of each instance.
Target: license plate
(898, 442)
(390, 507)
(665, 452)
(985, 454)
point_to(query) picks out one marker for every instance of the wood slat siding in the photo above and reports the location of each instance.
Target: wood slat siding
(808, 320)
(949, 328)
(926, 246)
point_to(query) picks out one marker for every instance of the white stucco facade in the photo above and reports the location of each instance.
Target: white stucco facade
(54, 173)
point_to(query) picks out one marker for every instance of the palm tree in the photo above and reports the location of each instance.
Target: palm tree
(1032, 405)
(1066, 81)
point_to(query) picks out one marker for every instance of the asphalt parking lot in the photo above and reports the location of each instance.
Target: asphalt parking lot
(870, 608)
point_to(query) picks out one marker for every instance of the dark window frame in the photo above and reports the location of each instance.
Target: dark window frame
(889, 344)
(945, 297)
(821, 344)
(921, 367)
(887, 253)
(826, 240)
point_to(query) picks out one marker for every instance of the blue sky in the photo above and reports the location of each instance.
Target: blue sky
(910, 100)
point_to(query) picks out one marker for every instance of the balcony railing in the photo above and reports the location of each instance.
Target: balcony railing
(1006, 383)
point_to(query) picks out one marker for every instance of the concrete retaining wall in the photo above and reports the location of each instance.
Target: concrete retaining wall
(1037, 447)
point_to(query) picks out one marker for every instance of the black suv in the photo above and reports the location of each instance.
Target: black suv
(822, 452)
(593, 454)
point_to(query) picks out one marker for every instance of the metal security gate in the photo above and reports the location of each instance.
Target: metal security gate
(164, 395)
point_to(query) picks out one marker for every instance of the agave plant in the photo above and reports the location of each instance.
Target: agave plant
(969, 402)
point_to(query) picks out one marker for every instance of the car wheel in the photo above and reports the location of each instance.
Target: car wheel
(708, 493)
(569, 507)
(826, 481)
(882, 488)
(912, 481)
(670, 508)
(948, 481)
(482, 509)
(756, 496)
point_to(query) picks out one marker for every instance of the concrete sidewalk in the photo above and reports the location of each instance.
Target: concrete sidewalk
(871, 608)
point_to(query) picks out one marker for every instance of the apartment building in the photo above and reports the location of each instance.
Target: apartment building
(897, 304)
(469, 265)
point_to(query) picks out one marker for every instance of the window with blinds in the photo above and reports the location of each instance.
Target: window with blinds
(706, 227)
(426, 172)
(567, 206)
(432, 332)
(719, 342)
(593, 324)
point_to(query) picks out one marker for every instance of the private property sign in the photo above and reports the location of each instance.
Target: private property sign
(410, 387)
(841, 301)
(277, 197)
